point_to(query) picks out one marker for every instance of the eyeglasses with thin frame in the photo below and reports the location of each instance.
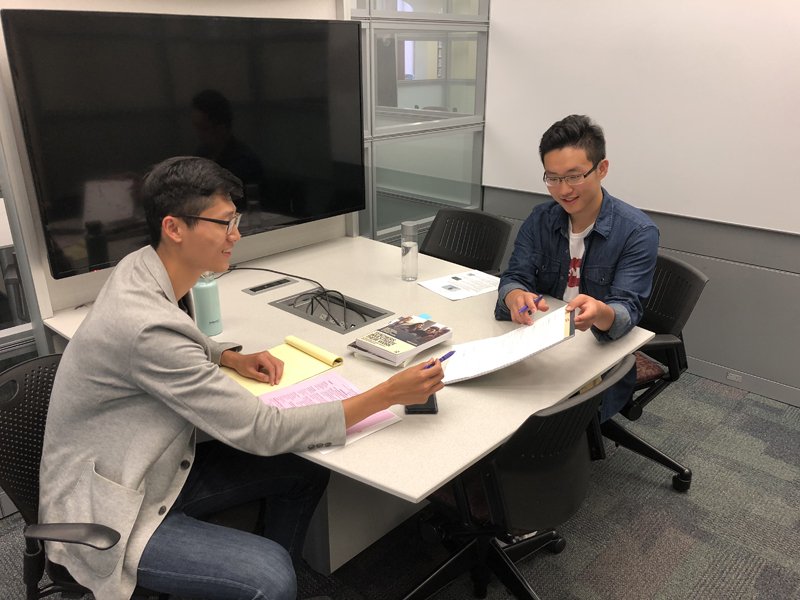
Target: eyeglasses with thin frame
(553, 181)
(231, 224)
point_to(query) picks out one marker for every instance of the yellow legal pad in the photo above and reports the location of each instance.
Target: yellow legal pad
(301, 360)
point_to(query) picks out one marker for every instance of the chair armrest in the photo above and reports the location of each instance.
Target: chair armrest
(661, 341)
(94, 535)
(668, 349)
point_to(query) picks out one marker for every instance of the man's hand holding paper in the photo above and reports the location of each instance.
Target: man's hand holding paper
(590, 311)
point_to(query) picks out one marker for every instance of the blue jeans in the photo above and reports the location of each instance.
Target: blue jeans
(195, 559)
(616, 397)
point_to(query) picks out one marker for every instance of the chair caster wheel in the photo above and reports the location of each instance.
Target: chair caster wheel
(682, 481)
(631, 412)
(557, 545)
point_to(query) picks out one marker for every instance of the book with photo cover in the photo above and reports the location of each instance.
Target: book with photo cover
(401, 339)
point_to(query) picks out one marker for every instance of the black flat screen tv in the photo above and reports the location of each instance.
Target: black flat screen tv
(104, 96)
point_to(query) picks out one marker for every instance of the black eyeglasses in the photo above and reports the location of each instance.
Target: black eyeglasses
(231, 224)
(552, 181)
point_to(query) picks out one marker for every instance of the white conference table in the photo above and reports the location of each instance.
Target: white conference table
(381, 479)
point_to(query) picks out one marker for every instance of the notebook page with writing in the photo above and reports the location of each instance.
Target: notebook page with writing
(476, 358)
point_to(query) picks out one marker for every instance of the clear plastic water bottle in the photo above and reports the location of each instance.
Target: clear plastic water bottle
(409, 250)
(207, 313)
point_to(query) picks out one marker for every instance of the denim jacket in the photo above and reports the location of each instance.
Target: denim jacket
(617, 267)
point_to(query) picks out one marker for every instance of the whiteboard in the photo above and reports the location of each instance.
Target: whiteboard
(699, 100)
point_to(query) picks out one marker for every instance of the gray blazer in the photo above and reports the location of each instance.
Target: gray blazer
(133, 385)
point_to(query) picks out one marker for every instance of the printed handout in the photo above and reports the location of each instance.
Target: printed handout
(462, 285)
(328, 387)
(472, 359)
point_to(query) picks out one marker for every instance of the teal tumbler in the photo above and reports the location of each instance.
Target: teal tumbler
(206, 305)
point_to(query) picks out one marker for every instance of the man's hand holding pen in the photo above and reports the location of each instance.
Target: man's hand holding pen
(523, 304)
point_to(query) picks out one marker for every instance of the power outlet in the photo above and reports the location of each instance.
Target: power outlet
(734, 377)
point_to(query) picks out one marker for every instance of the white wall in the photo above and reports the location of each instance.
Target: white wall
(698, 99)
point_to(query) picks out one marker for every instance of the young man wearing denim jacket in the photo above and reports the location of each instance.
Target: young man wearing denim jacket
(588, 248)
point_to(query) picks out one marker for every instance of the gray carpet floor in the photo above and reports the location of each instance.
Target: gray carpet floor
(734, 535)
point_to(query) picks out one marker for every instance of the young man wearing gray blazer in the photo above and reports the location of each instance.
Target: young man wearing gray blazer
(136, 382)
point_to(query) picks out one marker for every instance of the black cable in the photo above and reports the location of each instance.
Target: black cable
(236, 268)
(316, 294)
(310, 298)
(327, 308)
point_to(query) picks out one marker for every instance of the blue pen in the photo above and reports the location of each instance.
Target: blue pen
(444, 357)
(535, 301)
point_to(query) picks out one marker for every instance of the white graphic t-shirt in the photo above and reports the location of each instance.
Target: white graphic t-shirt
(576, 249)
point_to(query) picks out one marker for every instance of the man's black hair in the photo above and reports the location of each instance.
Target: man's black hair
(184, 185)
(575, 131)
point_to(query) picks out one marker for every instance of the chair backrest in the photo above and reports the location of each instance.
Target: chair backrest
(677, 286)
(24, 399)
(542, 471)
(471, 238)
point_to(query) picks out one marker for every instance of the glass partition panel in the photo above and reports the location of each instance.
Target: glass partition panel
(416, 175)
(366, 78)
(359, 9)
(366, 216)
(472, 8)
(13, 306)
(425, 76)
(16, 332)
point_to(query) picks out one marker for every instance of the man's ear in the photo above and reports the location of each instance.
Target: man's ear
(602, 168)
(172, 229)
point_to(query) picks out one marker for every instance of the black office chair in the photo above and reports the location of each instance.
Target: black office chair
(506, 507)
(24, 399)
(471, 238)
(677, 286)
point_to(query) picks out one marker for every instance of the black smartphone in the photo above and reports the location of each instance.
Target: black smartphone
(426, 408)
